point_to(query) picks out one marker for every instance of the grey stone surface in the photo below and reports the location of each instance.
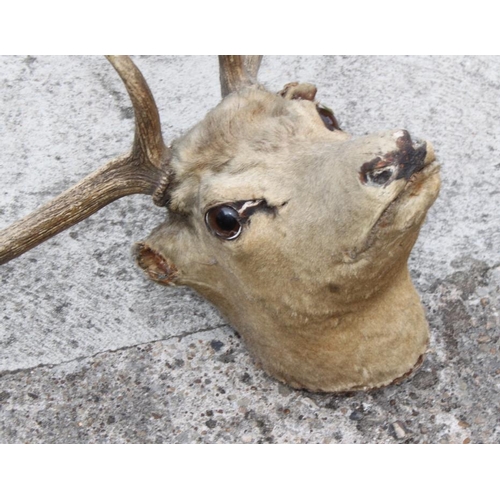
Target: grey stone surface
(92, 352)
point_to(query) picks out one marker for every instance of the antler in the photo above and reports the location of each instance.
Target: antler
(237, 72)
(143, 171)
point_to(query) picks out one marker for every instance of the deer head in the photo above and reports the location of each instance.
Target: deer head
(299, 233)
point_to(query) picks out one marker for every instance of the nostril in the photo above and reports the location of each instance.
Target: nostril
(379, 171)
(379, 177)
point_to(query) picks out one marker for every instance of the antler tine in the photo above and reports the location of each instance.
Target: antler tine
(142, 171)
(237, 72)
(147, 119)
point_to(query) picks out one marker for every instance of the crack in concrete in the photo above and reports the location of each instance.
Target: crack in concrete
(119, 349)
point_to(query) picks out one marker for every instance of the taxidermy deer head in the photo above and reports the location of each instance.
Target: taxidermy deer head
(298, 233)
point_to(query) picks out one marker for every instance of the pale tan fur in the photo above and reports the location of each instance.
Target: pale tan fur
(318, 288)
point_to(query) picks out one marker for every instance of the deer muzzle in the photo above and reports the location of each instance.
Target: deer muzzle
(407, 159)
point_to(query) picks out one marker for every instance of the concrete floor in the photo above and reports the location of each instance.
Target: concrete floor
(90, 351)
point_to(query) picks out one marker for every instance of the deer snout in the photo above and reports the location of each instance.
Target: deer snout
(408, 158)
(413, 155)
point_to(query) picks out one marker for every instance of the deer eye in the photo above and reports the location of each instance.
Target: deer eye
(224, 222)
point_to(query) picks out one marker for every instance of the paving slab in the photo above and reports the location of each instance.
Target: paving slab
(90, 351)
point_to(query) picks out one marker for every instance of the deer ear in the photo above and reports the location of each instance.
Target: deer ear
(156, 267)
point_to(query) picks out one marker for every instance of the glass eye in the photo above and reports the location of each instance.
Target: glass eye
(224, 222)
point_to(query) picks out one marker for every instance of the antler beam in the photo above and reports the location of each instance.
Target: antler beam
(143, 171)
(237, 72)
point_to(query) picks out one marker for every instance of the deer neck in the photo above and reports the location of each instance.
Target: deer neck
(372, 345)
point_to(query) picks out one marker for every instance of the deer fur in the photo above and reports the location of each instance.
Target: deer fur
(317, 284)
